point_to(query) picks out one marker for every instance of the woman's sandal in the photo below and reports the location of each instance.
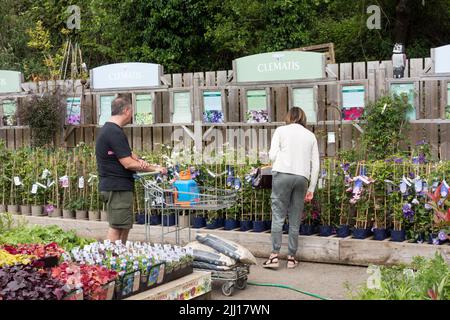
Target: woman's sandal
(292, 263)
(270, 263)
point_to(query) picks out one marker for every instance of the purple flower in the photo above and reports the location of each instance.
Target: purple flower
(421, 142)
(415, 160)
(442, 235)
(345, 166)
(49, 208)
(422, 159)
(408, 213)
(412, 175)
(435, 241)
(428, 207)
(388, 160)
(398, 160)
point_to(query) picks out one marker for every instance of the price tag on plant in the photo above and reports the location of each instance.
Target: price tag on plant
(34, 189)
(331, 137)
(81, 183)
(45, 174)
(64, 181)
(17, 181)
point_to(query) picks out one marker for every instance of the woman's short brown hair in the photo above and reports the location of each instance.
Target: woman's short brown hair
(296, 115)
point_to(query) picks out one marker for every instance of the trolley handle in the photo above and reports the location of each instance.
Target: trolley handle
(141, 175)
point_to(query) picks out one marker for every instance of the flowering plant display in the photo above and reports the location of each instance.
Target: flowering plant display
(9, 259)
(255, 116)
(213, 116)
(91, 278)
(143, 118)
(352, 113)
(38, 250)
(74, 119)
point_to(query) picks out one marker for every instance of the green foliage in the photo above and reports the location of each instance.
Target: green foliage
(423, 279)
(385, 128)
(43, 234)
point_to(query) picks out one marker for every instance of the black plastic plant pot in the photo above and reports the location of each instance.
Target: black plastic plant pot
(325, 231)
(398, 235)
(379, 234)
(259, 226)
(343, 231)
(155, 220)
(359, 233)
(152, 278)
(140, 218)
(246, 225)
(434, 239)
(199, 222)
(231, 224)
(306, 229)
(169, 220)
(286, 227)
(268, 224)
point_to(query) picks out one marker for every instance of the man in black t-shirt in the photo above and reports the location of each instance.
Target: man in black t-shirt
(116, 164)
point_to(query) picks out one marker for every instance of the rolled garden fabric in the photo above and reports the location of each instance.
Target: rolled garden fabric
(209, 266)
(203, 253)
(227, 247)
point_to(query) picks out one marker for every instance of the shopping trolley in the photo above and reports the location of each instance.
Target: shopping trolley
(159, 196)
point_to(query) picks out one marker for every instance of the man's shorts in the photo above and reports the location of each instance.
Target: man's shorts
(119, 205)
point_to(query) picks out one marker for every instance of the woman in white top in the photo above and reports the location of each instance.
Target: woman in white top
(295, 169)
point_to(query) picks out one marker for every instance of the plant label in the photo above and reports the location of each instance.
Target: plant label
(45, 174)
(81, 183)
(374, 280)
(136, 282)
(34, 189)
(331, 137)
(64, 181)
(41, 185)
(17, 181)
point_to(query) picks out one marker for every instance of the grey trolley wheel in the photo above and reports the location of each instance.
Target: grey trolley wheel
(228, 288)
(241, 283)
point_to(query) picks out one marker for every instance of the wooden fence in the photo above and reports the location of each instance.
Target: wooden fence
(431, 126)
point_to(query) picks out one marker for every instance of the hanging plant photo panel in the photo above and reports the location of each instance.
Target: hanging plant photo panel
(9, 113)
(212, 102)
(353, 102)
(73, 113)
(182, 107)
(257, 106)
(304, 98)
(144, 114)
(105, 109)
(408, 89)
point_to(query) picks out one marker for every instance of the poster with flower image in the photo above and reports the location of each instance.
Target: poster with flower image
(212, 102)
(144, 108)
(9, 113)
(73, 113)
(353, 102)
(405, 88)
(447, 109)
(257, 106)
(105, 109)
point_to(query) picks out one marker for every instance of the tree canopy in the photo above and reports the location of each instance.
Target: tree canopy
(202, 35)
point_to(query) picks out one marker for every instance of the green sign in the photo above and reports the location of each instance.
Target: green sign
(182, 107)
(280, 66)
(105, 109)
(9, 113)
(10, 81)
(257, 106)
(144, 114)
(304, 98)
(73, 114)
(447, 109)
(353, 102)
(408, 89)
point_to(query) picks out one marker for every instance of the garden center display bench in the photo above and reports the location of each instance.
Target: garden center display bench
(196, 285)
(312, 248)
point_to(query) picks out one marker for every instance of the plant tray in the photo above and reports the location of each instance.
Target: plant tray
(178, 273)
(127, 285)
(153, 277)
(105, 293)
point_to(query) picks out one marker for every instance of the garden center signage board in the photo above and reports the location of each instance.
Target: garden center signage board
(353, 102)
(304, 98)
(126, 75)
(73, 113)
(212, 107)
(10, 81)
(144, 109)
(442, 59)
(105, 109)
(280, 66)
(257, 110)
(8, 113)
(408, 89)
(447, 110)
(182, 112)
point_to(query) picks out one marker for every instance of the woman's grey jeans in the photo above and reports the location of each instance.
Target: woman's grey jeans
(288, 197)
